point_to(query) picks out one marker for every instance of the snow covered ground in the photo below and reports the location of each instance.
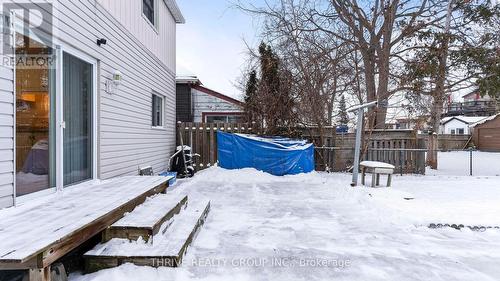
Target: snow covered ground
(316, 227)
(458, 163)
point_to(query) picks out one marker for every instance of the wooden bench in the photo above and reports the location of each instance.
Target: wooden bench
(376, 169)
(35, 235)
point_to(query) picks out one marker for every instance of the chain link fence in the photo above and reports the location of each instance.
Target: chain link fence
(455, 162)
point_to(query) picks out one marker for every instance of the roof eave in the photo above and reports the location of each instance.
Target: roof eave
(175, 11)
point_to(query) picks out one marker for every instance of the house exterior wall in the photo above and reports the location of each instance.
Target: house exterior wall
(204, 102)
(6, 134)
(125, 137)
(159, 40)
(454, 125)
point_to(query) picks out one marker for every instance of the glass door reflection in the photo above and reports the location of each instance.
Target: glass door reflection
(77, 111)
(35, 116)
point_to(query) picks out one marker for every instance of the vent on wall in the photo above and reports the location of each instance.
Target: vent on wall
(146, 171)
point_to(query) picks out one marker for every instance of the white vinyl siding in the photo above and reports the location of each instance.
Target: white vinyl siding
(6, 133)
(126, 140)
(453, 127)
(160, 40)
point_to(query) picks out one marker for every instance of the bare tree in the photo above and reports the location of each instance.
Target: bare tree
(375, 30)
(316, 60)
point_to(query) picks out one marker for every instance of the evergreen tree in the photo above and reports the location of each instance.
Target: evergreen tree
(343, 117)
(277, 106)
(269, 103)
(251, 100)
(482, 59)
(449, 57)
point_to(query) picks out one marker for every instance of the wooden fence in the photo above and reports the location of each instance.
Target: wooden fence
(400, 148)
(202, 138)
(449, 142)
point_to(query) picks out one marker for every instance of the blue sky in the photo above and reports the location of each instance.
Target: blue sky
(211, 43)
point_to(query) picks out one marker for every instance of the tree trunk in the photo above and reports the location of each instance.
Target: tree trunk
(380, 115)
(432, 146)
(439, 93)
(371, 88)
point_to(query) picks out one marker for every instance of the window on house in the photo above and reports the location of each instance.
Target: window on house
(460, 131)
(157, 109)
(234, 119)
(224, 119)
(216, 119)
(452, 131)
(148, 9)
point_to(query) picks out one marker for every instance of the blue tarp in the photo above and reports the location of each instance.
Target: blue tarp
(277, 156)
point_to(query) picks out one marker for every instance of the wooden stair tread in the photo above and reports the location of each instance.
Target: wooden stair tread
(171, 242)
(148, 214)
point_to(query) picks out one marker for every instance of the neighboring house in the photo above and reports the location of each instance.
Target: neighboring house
(473, 105)
(475, 96)
(103, 103)
(458, 125)
(415, 123)
(196, 103)
(486, 133)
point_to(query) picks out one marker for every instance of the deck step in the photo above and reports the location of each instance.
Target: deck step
(146, 219)
(166, 249)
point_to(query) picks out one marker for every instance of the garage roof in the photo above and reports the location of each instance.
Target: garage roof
(485, 120)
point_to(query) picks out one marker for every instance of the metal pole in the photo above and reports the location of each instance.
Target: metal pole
(401, 162)
(470, 161)
(357, 148)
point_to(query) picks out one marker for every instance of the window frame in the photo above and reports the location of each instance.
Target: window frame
(227, 117)
(153, 24)
(154, 125)
(215, 116)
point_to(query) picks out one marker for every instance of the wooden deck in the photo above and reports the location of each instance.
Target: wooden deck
(35, 235)
(166, 249)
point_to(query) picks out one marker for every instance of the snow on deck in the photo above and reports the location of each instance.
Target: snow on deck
(151, 211)
(167, 243)
(31, 228)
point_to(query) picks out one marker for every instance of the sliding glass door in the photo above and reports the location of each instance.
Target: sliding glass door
(77, 116)
(55, 125)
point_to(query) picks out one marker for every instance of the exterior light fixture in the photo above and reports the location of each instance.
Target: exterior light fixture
(117, 78)
(113, 83)
(101, 41)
